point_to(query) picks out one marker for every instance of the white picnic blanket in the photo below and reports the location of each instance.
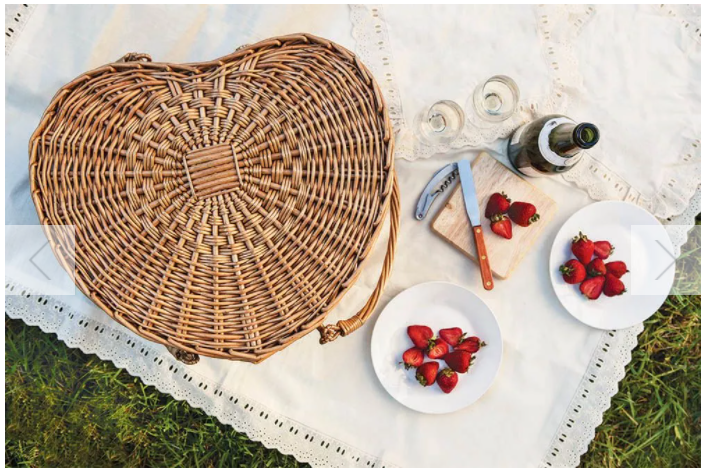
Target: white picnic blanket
(323, 404)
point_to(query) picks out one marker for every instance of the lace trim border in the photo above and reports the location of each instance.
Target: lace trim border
(156, 367)
(606, 369)
(16, 17)
(374, 47)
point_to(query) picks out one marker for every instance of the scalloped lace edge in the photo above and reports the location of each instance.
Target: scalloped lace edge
(584, 413)
(577, 429)
(681, 182)
(16, 16)
(374, 48)
(156, 367)
(679, 186)
(599, 384)
(606, 369)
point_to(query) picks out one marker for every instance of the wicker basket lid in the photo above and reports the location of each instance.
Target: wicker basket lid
(221, 208)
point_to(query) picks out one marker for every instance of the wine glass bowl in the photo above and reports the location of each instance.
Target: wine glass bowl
(493, 101)
(441, 123)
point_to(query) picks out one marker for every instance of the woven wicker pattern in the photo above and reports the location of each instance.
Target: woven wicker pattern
(221, 208)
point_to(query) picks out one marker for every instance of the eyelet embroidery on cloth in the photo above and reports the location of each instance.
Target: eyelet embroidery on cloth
(605, 370)
(681, 182)
(601, 183)
(375, 50)
(672, 197)
(689, 17)
(156, 367)
(593, 396)
(607, 365)
(16, 17)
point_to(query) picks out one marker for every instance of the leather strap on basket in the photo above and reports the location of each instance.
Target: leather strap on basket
(330, 332)
(135, 57)
(181, 355)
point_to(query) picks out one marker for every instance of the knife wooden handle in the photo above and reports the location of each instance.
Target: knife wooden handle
(482, 258)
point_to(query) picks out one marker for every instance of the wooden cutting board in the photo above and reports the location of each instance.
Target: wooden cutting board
(491, 176)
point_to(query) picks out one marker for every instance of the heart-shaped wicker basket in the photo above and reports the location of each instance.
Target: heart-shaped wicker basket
(221, 208)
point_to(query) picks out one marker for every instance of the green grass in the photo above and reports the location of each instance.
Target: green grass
(64, 408)
(67, 409)
(655, 419)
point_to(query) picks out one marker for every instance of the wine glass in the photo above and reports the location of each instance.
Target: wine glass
(440, 123)
(493, 101)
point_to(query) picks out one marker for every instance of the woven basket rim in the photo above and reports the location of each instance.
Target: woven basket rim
(390, 189)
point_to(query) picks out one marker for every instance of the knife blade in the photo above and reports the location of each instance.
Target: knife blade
(469, 194)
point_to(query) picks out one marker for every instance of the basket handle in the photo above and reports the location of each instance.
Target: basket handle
(330, 332)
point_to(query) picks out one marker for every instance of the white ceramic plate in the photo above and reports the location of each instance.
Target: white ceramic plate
(438, 305)
(640, 241)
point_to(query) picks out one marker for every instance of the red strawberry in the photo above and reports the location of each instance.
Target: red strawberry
(426, 373)
(613, 286)
(596, 267)
(582, 248)
(471, 344)
(452, 335)
(497, 204)
(420, 335)
(573, 271)
(412, 358)
(616, 268)
(603, 249)
(447, 380)
(437, 348)
(501, 226)
(591, 287)
(459, 360)
(523, 213)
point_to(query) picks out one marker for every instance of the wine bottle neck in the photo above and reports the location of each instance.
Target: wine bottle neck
(569, 139)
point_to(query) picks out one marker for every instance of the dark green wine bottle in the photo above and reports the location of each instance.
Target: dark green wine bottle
(550, 145)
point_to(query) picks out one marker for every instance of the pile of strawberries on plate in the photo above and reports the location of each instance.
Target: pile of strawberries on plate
(436, 348)
(589, 270)
(499, 206)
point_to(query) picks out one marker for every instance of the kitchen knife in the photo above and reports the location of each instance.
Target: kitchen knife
(472, 208)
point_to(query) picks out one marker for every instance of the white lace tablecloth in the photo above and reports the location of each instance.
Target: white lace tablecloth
(632, 70)
(323, 404)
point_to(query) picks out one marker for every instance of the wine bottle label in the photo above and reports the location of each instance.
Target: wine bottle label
(544, 143)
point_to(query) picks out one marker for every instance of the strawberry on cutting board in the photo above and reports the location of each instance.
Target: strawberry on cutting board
(501, 226)
(498, 204)
(523, 213)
